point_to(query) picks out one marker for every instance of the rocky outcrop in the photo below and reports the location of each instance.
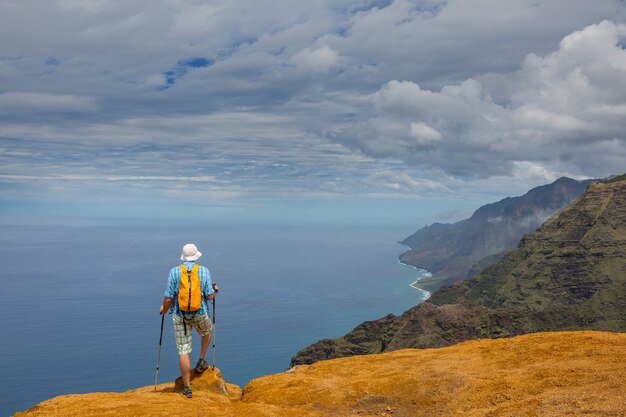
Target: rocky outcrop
(453, 252)
(568, 274)
(546, 374)
(210, 380)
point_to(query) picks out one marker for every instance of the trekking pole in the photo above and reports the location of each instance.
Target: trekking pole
(156, 377)
(213, 334)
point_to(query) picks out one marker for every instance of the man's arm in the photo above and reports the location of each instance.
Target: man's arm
(210, 286)
(214, 293)
(167, 303)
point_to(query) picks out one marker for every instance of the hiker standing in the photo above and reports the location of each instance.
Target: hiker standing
(189, 285)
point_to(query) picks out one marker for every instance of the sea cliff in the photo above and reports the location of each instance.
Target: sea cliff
(569, 274)
(452, 252)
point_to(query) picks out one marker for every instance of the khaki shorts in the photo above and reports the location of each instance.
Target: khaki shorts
(201, 323)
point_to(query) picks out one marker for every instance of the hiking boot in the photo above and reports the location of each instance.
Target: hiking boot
(201, 366)
(185, 391)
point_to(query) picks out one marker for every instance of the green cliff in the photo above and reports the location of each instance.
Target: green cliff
(569, 274)
(452, 252)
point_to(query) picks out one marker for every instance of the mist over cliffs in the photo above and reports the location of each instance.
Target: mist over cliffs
(457, 251)
(568, 274)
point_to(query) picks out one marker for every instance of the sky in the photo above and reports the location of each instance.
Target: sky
(378, 111)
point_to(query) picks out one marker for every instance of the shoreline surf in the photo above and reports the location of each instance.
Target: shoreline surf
(425, 274)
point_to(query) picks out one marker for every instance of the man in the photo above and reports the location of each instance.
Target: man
(185, 321)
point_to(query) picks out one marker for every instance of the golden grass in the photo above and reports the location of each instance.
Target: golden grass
(543, 374)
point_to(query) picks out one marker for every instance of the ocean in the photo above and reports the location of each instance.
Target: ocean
(81, 303)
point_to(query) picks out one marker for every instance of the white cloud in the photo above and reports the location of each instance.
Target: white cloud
(463, 88)
(76, 177)
(19, 102)
(92, 6)
(195, 19)
(554, 107)
(316, 60)
(530, 116)
(402, 182)
(424, 134)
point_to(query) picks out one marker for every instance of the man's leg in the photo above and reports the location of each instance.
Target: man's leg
(204, 345)
(204, 328)
(183, 345)
(183, 361)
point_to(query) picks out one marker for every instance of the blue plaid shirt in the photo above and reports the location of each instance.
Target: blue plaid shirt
(173, 281)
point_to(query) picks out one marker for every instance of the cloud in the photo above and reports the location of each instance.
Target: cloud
(312, 98)
(33, 103)
(554, 105)
(86, 5)
(316, 60)
(70, 177)
(402, 182)
(424, 134)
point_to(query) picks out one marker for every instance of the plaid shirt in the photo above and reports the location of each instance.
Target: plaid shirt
(173, 282)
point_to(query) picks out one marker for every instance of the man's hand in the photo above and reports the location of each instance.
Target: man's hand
(215, 291)
(167, 303)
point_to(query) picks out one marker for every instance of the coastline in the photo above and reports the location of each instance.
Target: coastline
(414, 284)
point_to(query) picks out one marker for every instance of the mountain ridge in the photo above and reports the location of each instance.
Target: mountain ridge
(568, 274)
(451, 252)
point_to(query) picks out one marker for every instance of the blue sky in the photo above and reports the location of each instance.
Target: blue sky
(379, 111)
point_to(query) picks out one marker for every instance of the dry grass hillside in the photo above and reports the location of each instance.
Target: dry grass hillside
(543, 374)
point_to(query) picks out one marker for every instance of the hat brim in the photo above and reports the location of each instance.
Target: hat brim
(193, 257)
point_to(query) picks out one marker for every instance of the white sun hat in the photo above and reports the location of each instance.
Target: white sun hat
(190, 253)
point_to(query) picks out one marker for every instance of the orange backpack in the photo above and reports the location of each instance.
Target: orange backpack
(189, 294)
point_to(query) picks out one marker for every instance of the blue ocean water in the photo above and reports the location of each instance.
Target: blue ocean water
(81, 302)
